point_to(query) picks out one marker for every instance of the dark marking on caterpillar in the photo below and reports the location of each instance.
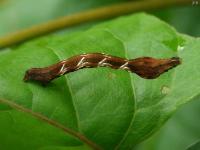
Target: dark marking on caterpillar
(145, 67)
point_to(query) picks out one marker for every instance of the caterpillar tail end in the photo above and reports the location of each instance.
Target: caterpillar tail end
(151, 68)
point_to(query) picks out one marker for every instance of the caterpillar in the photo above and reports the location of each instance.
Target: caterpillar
(145, 67)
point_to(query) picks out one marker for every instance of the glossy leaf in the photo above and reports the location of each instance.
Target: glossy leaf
(181, 130)
(194, 146)
(112, 108)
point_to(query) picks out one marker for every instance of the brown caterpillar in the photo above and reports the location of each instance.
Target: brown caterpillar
(145, 67)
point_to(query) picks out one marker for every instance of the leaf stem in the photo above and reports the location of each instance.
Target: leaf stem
(51, 122)
(90, 15)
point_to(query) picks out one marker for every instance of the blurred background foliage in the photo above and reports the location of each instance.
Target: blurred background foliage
(183, 129)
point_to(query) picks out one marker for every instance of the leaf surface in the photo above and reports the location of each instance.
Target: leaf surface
(112, 108)
(181, 130)
(194, 146)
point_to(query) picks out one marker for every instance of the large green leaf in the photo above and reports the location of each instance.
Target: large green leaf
(112, 108)
(181, 130)
(195, 146)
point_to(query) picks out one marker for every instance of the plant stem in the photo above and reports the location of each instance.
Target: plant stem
(90, 15)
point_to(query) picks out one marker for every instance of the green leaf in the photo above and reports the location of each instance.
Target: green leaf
(195, 146)
(181, 130)
(174, 15)
(65, 148)
(112, 108)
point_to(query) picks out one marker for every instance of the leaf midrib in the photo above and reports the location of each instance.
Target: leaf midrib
(70, 91)
(133, 89)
